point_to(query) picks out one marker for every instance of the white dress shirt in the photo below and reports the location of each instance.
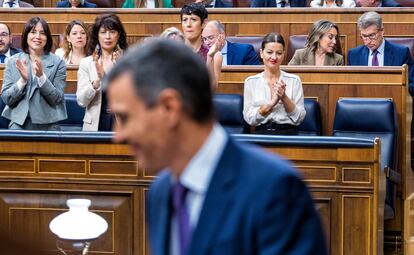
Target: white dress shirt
(380, 55)
(196, 177)
(15, 4)
(257, 93)
(224, 54)
(279, 4)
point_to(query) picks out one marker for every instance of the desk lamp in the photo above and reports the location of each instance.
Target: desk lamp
(78, 226)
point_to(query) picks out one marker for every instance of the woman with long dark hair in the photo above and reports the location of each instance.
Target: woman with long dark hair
(107, 42)
(273, 99)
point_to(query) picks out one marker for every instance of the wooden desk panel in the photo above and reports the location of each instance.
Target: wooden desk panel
(348, 193)
(237, 21)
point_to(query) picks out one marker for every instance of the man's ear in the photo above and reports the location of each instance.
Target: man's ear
(171, 106)
(204, 23)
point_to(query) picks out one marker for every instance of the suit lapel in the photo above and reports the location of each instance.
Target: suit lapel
(217, 201)
(364, 56)
(47, 69)
(160, 215)
(230, 53)
(388, 54)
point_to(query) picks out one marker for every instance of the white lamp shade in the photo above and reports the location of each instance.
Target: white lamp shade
(78, 223)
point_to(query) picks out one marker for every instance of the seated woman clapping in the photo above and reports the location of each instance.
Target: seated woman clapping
(107, 41)
(273, 99)
(74, 44)
(34, 82)
(322, 47)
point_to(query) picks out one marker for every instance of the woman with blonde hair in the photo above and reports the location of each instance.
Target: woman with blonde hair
(75, 42)
(322, 48)
(332, 3)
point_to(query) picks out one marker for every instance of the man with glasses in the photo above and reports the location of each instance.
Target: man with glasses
(233, 53)
(377, 51)
(6, 51)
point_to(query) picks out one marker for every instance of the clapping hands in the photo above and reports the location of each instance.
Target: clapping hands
(22, 68)
(277, 91)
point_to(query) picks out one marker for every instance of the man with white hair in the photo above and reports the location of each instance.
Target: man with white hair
(233, 53)
(6, 49)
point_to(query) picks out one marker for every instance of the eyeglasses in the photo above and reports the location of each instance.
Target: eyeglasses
(4, 35)
(371, 37)
(209, 38)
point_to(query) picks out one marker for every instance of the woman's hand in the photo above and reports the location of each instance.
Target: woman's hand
(281, 89)
(274, 97)
(99, 68)
(116, 55)
(22, 68)
(38, 67)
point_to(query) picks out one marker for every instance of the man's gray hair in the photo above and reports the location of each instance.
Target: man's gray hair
(218, 25)
(368, 19)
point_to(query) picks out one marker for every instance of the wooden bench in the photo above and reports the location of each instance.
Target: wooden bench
(39, 171)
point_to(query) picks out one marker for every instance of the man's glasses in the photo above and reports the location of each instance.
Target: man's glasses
(4, 35)
(371, 37)
(209, 38)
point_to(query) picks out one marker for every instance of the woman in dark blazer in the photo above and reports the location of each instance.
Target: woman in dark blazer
(34, 81)
(322, 47)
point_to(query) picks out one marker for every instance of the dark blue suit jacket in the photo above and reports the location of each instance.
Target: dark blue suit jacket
(14, 51)
(241, 54)
(394, 55)
(272, 3)
(220, 3)
(255, 204)
(390, 3)
(66, 4)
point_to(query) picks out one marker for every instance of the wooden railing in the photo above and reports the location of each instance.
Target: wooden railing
(141, 23)
(40, 171)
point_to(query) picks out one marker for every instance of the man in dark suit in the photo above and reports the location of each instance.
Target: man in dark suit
(214, 195)
(216, 3)
(377, 51)
(377, 3)
(14, 4)
(278, 3)
(233, 53)
(75, 4)
(6, 49)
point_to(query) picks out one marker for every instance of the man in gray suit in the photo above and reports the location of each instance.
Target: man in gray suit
(15, 4)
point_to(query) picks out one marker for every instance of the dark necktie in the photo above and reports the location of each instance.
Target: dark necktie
(179, 193)
(374, 58)
(2, 58)
(282, 4)
(11, 3)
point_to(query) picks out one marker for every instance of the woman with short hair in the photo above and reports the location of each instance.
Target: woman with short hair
(34, 82)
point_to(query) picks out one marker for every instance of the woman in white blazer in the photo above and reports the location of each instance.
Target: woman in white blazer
(107, 41)
(332, 3)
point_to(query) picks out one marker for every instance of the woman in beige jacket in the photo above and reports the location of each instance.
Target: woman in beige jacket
(322, 47)
(107, 41)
